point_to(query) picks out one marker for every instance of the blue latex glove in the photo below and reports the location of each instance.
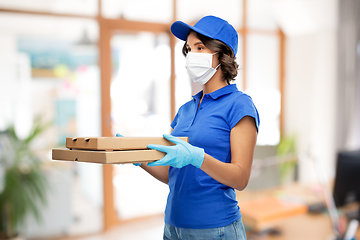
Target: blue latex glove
(178, 156)
(135, 164)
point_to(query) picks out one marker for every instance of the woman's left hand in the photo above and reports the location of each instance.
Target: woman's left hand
(135, 164)
(180, 155)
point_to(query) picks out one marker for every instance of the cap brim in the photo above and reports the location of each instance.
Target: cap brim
(181, 30)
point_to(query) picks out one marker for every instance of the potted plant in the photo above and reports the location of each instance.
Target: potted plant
(287, 149)
(23, 182)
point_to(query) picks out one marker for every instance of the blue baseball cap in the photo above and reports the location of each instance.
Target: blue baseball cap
(209, 26)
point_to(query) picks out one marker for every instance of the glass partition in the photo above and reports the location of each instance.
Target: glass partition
(140, 100)
(48, 70)
(140, 96)
(263, 84)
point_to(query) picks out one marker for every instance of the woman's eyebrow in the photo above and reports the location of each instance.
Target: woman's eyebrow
(195, 44)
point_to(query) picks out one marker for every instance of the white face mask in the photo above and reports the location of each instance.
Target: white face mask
(199, 67)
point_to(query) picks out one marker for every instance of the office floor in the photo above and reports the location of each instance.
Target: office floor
(148, 228)
(309, 227)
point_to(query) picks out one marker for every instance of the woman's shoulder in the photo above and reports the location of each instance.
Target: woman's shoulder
(241, 97)
(186, 106)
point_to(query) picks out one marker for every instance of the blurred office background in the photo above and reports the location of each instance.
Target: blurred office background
(100, 67)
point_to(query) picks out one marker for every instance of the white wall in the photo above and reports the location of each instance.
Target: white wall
(310, 86)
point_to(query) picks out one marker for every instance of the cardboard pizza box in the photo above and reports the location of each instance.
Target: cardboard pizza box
(116, 143)
(107, 157)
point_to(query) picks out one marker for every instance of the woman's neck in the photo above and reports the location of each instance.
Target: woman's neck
(215, 83)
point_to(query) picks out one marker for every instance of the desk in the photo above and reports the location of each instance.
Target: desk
(300, 227)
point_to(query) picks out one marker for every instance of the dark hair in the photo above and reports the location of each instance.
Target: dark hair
(226, 57)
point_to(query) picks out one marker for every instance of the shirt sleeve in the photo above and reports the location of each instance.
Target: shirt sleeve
(175, 121)
(241, 107)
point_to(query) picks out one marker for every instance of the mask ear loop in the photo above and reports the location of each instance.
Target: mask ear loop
(219, 63)
(217, 67)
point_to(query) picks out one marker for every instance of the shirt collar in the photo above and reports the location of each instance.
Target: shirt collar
(218, 93)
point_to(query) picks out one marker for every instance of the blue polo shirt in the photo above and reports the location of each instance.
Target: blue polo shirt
(195, 199)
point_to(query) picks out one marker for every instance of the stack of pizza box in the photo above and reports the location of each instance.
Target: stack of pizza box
(111, 150)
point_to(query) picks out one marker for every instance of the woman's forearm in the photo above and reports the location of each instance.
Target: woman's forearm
(230, 174)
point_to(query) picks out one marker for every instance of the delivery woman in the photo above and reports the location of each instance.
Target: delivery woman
(222, 124)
